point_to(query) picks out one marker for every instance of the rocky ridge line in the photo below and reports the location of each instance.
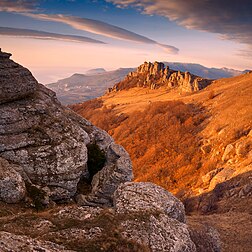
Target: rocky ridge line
(156, 75)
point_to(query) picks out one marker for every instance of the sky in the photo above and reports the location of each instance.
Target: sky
(56, 38)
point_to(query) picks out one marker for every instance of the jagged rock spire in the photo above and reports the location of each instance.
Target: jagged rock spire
(4, 54)
(156, 75)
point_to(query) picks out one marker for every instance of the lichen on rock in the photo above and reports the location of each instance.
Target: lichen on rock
(46, 140)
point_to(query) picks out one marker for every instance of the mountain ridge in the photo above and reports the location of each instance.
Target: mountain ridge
(80, 87)
(156, 75)
(100, 85)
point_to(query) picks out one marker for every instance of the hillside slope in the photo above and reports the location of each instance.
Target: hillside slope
(94, 83)
(220, 116)
(199, 146)
(82, 87)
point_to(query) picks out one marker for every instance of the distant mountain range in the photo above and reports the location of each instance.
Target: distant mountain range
(205, 72)
(95, 71)
(81, 87)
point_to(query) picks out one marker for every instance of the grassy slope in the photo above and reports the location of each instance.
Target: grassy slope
(227, 105)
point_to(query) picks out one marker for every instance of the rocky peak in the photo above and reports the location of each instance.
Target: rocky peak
(4, 55)
(156, 75)
(16, 81)
(152, 68)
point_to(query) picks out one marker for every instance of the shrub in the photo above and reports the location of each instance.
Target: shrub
(211, 94)
(162, 140)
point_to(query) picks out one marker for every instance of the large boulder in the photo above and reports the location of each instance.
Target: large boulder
(47, 140)
(12, 186)
(155, 218)
(145, 196)
(17, 243)
(158, 232)
(16, 81)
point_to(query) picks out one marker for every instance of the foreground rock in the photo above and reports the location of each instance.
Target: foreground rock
(15, 243)
(12, 186)
(48, 141)
(160, 217)
(156, 75)
(135, 197)
(84, 228)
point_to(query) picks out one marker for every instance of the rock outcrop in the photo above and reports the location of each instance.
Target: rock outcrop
(47, 141)
(15, 243)
(11, 73)
(47, 152)
(130, 197)
(87, 228)
(156, 75)
(12, 186)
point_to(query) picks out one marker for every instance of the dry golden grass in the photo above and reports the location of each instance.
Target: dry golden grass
(225, 106)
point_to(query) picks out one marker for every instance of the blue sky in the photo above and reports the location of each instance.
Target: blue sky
(57, 38)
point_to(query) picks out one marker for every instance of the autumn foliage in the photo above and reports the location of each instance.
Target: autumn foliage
(162, 140)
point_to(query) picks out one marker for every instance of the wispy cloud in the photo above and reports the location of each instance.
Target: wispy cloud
(102, 28)
(28, 7)
(18, 5)
(15, 32)
(231, 19)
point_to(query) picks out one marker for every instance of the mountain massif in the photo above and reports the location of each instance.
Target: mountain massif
(205, 72)
(81, 87)
(193, 139)
(65, 185)
(156, 75)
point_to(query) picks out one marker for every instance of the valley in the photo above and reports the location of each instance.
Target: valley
(197, 145)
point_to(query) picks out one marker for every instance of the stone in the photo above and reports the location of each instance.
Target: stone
(159, 233)
(205, 237)
(16, 81)
(145, 196)
(243, 147)
(117, 169)
(12, 186)
(209, 176)
(221, 176)
(49, 141)
(17, 243)
(229, 152)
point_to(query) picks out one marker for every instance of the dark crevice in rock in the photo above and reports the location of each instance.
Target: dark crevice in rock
(96, 159)
(37, 196)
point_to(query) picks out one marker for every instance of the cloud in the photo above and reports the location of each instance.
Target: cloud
(17, 5)
(28, 7)
(102, 28)
(15, 32)
(230, 18)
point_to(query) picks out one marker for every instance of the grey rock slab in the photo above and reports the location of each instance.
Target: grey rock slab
(144, 196)
(12, 186)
